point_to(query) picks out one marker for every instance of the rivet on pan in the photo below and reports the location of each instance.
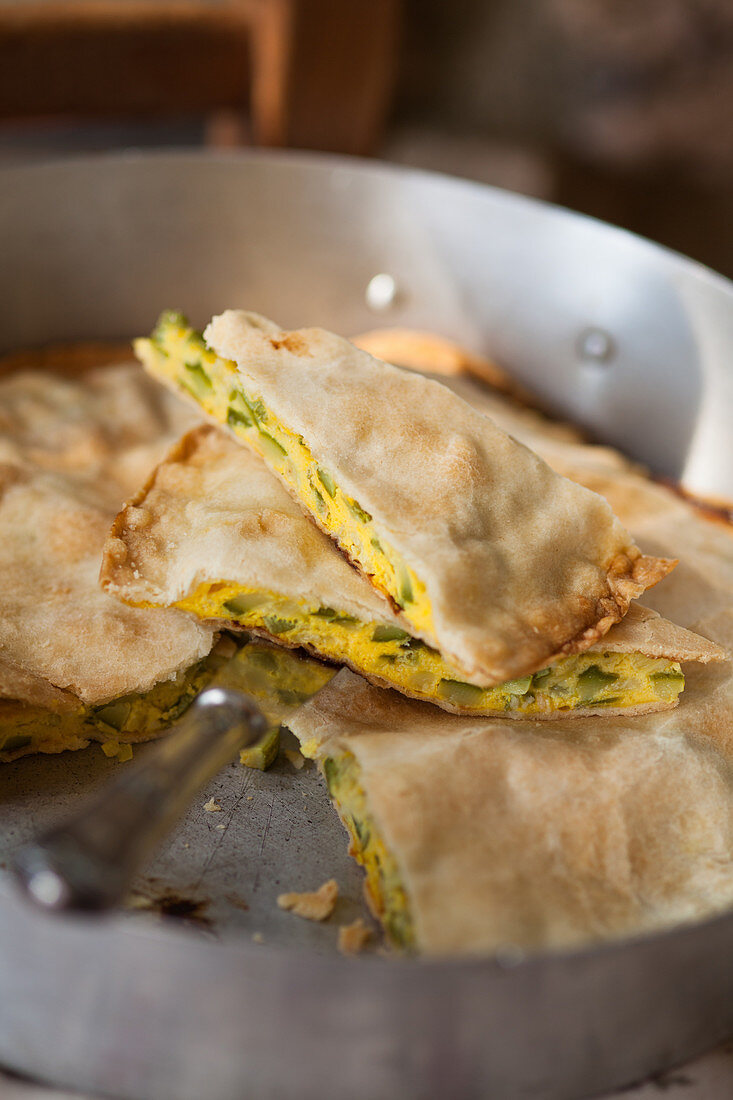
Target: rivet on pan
(595, 346)
(48, 889)
(381, 292)
(509, 955)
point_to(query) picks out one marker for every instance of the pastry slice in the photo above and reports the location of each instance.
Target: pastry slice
(30, 727)
(214, 533)
(489, 557)
(482, 836)
(76, 665)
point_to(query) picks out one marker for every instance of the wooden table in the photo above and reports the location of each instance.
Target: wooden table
(314, 74)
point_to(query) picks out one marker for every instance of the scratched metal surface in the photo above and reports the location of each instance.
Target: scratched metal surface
(276, 832)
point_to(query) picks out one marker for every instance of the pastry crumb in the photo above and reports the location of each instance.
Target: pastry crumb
(212, 806)
(296, 758)
(257, 937)
(221, 826)
(226, 646)
(315, 906)
(354, 937)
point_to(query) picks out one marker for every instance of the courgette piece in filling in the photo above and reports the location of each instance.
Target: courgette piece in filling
(26, 729)
(384, 889)
(385, 653)
(178, 354)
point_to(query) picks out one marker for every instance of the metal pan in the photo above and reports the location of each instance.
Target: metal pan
(622, 336)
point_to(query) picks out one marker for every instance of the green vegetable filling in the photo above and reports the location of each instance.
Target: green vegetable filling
(114, 714)
(385, 889)
(242, 605)
(406, 594)
(327, 482)
(592, 681)
(279, 626)
(198, 377)
(391, 653)
(358, 511)
(460, 693)
(271, 446)
(390, 634)
(129, 718)
(263, 753)
(237, 419)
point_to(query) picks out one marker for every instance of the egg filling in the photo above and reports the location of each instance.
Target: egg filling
(178, 353)
(26, 728)
(383, 885)
(384, 652)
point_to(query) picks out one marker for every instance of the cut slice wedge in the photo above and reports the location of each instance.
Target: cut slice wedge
(477, 834)
(494, 560)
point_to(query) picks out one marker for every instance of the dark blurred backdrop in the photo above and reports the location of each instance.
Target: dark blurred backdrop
(619, 108)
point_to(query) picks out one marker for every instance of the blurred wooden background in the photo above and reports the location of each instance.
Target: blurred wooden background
(617, 108)
(305, 73)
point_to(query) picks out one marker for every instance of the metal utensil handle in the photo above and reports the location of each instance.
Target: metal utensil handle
(87, 863)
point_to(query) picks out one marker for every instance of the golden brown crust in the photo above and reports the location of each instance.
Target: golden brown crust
(432, 354)
(629, 575)
(645, 631)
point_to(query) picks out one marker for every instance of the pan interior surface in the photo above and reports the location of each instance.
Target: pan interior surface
(612, 332)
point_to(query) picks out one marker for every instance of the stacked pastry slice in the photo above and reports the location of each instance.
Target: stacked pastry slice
(485, 583)
(213, 532)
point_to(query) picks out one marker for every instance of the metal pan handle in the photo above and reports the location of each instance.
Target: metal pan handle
(87, 863)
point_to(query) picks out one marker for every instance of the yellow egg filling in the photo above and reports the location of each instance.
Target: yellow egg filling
(384, 889)
(179, 354)
(25, 728)
(389, 654)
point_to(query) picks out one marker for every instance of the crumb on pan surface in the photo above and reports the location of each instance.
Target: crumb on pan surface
(316, 906)
(354, 937)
